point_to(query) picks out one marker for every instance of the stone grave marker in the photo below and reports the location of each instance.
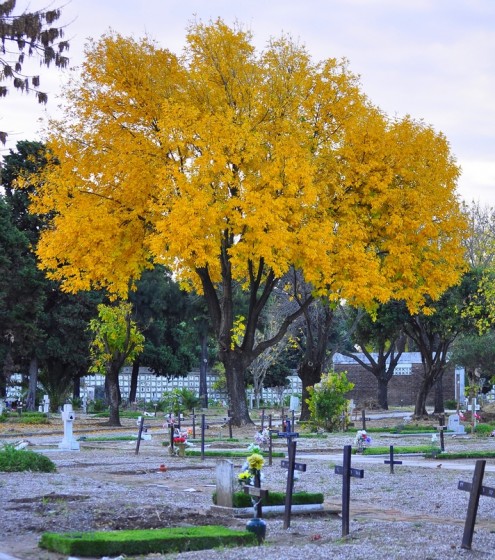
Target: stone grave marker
(225, 483)
(476, 490)
(454, 424)
(347, 473)
(46, 404)
(69, 442)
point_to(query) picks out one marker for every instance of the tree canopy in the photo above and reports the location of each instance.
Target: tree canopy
(31, 34)
(230, 167)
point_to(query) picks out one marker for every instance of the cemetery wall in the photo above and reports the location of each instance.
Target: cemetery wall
(402, 388)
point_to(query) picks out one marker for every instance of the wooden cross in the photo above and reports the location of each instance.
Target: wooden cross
(441, 428)
(476, 490)
(291, 466)
(259, 493)
(391, 461)
(347, 472)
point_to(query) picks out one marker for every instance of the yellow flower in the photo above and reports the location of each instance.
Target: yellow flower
(244, 475)
(255, 461)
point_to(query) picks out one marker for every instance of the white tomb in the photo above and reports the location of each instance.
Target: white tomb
(69, 442)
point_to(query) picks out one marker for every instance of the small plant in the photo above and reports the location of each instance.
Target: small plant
(19, 460)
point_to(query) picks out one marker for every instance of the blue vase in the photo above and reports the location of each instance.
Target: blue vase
(258, 527)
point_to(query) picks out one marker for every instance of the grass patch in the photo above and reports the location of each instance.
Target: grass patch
(25, 418)
(210, 440)
(108, 438)
(225, 453)
(20, 460)
(242, 500)
(467, 455)
(145, 541)
(400, 449)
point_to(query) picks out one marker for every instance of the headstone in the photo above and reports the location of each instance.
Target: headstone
(454, 424)
(69, 443)
(294, 404)
(46, 404)
(225, 483)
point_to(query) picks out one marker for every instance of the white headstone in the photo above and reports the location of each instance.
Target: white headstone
(68, 443)
(454, 424)
(46, 404)
(225, 483)
(294, 403)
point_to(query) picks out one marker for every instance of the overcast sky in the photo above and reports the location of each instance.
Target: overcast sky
(432, 59)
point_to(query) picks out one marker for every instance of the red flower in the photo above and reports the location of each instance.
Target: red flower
(179, 440)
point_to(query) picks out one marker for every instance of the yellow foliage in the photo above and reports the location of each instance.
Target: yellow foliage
(225, 160)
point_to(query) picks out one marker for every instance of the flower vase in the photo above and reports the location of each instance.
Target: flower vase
(181, 449)
(258, 527)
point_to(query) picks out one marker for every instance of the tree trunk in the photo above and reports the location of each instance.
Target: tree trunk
(236, 388)
(382, 394)
(76, 388)
(420, 406)
(310, 374)
(134, 381)
(33, 383)
(439, 404)
(113, 394)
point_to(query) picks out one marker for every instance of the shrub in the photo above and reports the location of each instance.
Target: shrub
(242, 500)
(19, 460)
(484, 429)
(327, 402)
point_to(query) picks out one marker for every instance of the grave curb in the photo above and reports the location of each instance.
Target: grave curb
(275, 511)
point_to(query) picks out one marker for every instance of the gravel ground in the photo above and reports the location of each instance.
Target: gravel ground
(415, 513)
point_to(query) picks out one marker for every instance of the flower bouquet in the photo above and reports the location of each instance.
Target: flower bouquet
(362, 440)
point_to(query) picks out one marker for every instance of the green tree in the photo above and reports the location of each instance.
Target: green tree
(28, 34)
(383, 335)
(116, 341)
(434, 333)
(164, 315)
(327, 402)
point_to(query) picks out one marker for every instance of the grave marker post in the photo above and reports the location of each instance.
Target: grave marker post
(140, 431)
(476, 490)
(363, 417)
(291, 466)
(229, 419)
(441, 428)
(347, 472)
(193, 423)
(391, 460)
(203, 428)
(262, 418)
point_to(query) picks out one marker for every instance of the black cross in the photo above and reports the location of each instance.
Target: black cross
(441, 428)
(288, 434)
(347, 472)
(476, 490)
(291, 466)
(391, 461)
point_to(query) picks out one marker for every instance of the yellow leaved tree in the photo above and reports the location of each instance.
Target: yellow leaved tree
(233, 166)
